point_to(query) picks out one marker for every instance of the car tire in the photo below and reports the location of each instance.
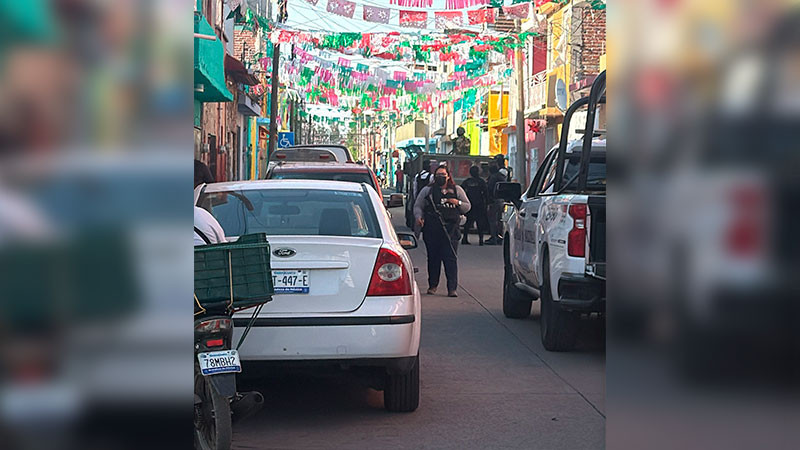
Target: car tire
(401, 393)
(516, 303)
(558, 328)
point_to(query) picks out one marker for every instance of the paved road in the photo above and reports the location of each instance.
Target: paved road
(486, 382)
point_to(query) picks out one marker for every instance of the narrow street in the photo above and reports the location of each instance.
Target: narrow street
(486, 382)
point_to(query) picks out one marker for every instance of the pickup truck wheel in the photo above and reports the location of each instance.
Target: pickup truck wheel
(401, 393)
(516, 303)
(559, 328)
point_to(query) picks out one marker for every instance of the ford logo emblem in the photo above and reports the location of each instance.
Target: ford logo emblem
(284, 252)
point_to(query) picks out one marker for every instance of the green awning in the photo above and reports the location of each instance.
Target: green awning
(209, 69)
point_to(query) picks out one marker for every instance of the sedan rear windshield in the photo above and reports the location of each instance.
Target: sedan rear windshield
(353, 177)
(306, 155)
(312, 212)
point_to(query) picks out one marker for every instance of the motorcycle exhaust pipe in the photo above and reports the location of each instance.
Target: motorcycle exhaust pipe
(246, 405)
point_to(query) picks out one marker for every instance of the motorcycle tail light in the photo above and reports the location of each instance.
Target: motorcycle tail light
(215, 343)
(213, 325)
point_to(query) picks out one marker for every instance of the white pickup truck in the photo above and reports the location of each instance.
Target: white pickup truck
(554, 246)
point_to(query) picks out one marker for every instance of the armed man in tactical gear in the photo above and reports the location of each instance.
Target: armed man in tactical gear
(439, 209)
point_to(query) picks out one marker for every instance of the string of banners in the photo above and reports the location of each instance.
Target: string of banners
(397, 47)
(421, 19)
(324, 79)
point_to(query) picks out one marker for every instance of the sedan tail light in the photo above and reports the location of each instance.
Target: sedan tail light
(390, 275)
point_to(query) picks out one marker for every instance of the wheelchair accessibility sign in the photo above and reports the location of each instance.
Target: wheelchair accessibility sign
(285, 139)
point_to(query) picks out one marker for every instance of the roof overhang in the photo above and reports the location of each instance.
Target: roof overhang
(209, 71)
(238, 72)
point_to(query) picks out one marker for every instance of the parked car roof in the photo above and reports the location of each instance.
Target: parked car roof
(282, 184)
(306, 152)
(319, 167)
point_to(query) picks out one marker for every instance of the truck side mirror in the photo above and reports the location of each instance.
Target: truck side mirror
(509, 192)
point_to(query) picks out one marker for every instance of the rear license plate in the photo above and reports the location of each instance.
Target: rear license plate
(290, 281)
(223, 361)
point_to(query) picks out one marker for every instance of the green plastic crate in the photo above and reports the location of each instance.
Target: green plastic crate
(249, 261)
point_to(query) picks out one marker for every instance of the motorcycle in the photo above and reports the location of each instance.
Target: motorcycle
(216, 400)
(215, 371)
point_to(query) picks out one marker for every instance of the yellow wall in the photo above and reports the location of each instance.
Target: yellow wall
(498, 119)
(559, 62)
(496, 113)
(498, 142)
(473, 132)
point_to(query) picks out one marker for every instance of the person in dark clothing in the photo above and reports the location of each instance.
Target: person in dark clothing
(202, 174)
(500, 160)
(438, 210)
(495, 205)
(476, 190)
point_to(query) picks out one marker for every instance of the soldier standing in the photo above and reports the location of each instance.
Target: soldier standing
(461, 144)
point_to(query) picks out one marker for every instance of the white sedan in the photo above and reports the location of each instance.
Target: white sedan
(344, 284)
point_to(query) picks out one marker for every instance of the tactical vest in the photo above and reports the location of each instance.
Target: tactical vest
(448, 211)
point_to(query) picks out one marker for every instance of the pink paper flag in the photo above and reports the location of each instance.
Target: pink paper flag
(461, 4)
(414, 19)
(449, 19)
(519, 11)
(480, 16)
(412, 3)
(399, 75)
(342, 8)
(376, 14)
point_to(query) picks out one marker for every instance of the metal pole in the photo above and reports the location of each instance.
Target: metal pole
(427, 132)
(273, 102)
(521, 150)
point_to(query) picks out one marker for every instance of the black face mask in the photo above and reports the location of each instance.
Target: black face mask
(441, 180)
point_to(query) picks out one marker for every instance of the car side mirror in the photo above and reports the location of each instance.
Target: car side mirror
(510, 192)
(394, 200)
(407, 240)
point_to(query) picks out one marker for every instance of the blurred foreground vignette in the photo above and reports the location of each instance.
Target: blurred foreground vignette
(703, 336)
(95, 247)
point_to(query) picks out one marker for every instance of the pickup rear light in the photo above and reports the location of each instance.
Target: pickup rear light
(390, 275)
(280, 156)
(744, 235)
(576, 240)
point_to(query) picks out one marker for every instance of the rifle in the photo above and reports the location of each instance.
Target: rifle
(441, 221)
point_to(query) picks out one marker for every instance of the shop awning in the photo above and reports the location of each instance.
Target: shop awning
(238, 72)
(209, 68)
